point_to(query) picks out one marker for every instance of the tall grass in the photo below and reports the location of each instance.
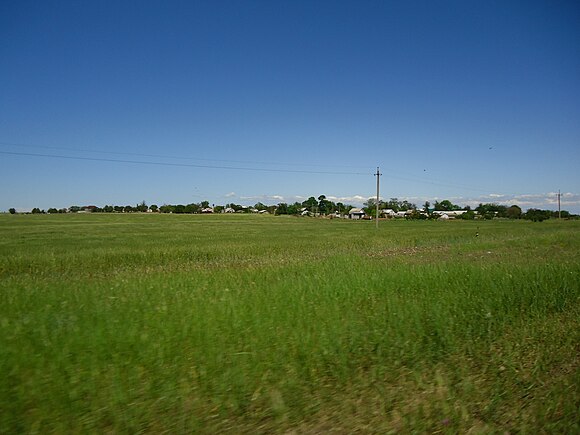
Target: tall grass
(140, 323)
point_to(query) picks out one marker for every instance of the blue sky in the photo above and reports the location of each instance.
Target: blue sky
(468, 101)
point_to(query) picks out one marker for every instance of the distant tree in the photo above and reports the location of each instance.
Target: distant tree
(445, 205)
(108, 209)
(514, 212)
(537, 215)
(489, 211)
(468, 215)
(370, 207)
(179, 208)
(52, 210)
(417, 215)
(398, 205)
(324, 205)
(154, 208)
(393, 204)
(564, 213)
(295, 208)
(191, 208)
(166, 208)
(36, 210)
(332, 207)
(502, 211)
(74, 208)
(204, 204)
(12, 211)
(128, 209)
(282, 208)
(259, 206)
(311, 204)
(218, 209)
(142, 207)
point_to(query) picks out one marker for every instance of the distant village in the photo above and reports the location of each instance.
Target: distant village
(322, 207)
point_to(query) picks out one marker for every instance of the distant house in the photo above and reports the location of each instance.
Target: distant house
(87, 209)
(389, 213)
(449, 214)
(356, 213)
(229, 210)
(207, 210)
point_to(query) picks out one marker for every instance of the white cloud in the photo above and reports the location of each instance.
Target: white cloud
(230, 195)
(267, 198)
(353, 199)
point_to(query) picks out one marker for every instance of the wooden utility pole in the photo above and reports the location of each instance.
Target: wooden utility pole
(378, 175)
(559, 210)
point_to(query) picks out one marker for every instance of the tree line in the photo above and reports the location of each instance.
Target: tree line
(322, 206)
(482, 211)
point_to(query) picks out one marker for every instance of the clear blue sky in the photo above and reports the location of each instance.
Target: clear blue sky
(468, 101)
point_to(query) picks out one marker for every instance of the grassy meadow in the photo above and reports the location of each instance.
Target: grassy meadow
(147, 323)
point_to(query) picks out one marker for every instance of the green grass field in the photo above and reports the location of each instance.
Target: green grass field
(146, 323)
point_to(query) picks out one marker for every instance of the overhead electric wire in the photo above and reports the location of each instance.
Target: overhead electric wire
(435, 183)
(249, 162)
(186, 165)
(388, 174)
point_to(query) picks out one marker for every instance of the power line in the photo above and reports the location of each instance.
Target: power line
(249, 162)
(185, 165)
(436, 183)
(390, 175)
